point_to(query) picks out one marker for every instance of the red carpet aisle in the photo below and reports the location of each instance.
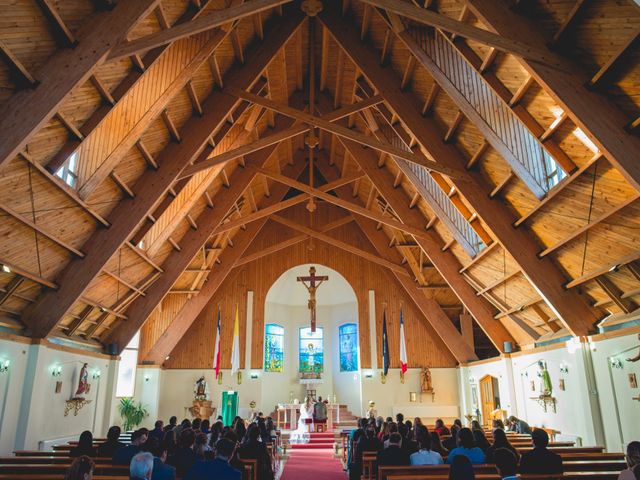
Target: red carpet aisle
(313, 461)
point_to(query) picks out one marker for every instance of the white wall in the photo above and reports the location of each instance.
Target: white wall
(596, 407)
(32, 411)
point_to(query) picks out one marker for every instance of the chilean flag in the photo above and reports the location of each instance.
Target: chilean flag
(216, 355)
(403, 346)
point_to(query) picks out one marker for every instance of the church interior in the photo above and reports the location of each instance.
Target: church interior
(311, 218)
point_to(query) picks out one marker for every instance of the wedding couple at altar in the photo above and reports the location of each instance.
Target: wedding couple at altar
(311, 412)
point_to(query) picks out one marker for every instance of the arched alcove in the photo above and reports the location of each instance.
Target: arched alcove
(286, 305)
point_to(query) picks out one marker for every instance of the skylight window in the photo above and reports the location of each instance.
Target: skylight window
(68, 172)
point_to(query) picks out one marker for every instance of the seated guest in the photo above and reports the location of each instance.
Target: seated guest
(441, 428)
(170, 442)
(85, 446)
(500, 440)
(186, 423)
(216, 433)
(425, 456)
(408, 426)
(409, 445)
(393, 454)
(173, 421)
(393, 428)
(497, 424)
(379, 424)
(457, 423)
(158, 431)
(218, 468)
(481, 440)
(253, 449)
(184, 457)
(80, 469)
(401, 426)
(518, 426)
(436, 444)
(467, 447)
(141, 466)
(239, 427)
(506, 463)
(354, 436)
(161, 471)
(451, 442)
(633, 462)
(475, 425)
(540, 460)
(366, 443)
(195, 425)
(124, 455)
(270, 426)
(461, 469)
(203, 451)
(108, 448)
(205, 426)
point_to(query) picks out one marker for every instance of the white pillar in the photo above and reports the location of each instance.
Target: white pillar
(249, 335)
(372, 329)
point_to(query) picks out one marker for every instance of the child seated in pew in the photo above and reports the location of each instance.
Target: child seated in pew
(461, 469)
(506, 463)
(80, 469)
(425, 456)
(633, 462)
(467, 447)
(84, 447)
(540, 460)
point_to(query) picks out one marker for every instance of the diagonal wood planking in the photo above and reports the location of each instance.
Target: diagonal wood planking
(543, 274)
(48, 310)
(178, 261)
(429, 307)
(28, 111)
(592, 112)
(190, 311)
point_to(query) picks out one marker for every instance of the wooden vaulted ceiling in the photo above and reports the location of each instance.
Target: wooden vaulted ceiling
(190, 123)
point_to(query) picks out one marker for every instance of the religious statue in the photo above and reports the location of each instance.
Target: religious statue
(425, 381)
(311, 287)
(371, 411)
(200, 389)
(83, 382)
(637, 357)
(546, 389)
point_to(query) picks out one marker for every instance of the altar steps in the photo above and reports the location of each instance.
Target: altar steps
(318, 441)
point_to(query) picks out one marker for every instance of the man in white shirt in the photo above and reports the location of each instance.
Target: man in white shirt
(425, 456)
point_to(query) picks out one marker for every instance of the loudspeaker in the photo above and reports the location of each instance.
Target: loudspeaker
(112, 349)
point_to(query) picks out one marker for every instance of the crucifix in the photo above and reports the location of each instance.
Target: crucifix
(312, 286)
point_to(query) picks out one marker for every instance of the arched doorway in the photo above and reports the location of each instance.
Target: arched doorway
(489, 397)
(292, 352)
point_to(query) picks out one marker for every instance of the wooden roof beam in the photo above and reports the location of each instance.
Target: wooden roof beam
(544, 275)
(345, 132)
(62, 34)
(206, 22)
(190, 311)
(607, 70)
(153, 184)
(616, 295)
(567, 23)
(432, 312)
(20, 75)
(27, 111)
(503, 43)
(596, 115)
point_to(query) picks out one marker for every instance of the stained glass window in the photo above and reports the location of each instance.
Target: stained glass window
(273, 348)
(311, 353)
(348, 337)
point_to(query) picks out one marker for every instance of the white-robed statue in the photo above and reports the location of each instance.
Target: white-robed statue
(301, 434)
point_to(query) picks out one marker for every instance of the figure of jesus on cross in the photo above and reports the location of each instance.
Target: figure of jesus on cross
(312, 286)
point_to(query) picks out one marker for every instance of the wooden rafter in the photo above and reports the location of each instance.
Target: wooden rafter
(27, 111)
(205, 22)
(153, 184)
(543, 274)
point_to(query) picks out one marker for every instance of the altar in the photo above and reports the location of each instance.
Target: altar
(289, 413)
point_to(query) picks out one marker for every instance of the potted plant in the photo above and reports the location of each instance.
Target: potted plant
(132, 414)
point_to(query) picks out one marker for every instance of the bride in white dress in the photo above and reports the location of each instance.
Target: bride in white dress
(301, 434)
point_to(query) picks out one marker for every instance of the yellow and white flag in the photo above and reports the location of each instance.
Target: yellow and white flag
(235, 349)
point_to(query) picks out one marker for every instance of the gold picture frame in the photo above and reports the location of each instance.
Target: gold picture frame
(413, 397)
(633, 380)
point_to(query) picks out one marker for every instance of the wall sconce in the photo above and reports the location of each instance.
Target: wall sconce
(368, 374)
(6, 269)
(564, 368)
(56, 371)
(96, 374)
(615, 363)
(4, 366)
(254, 375)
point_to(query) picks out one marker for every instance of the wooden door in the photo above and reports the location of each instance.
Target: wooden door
(487, 397)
